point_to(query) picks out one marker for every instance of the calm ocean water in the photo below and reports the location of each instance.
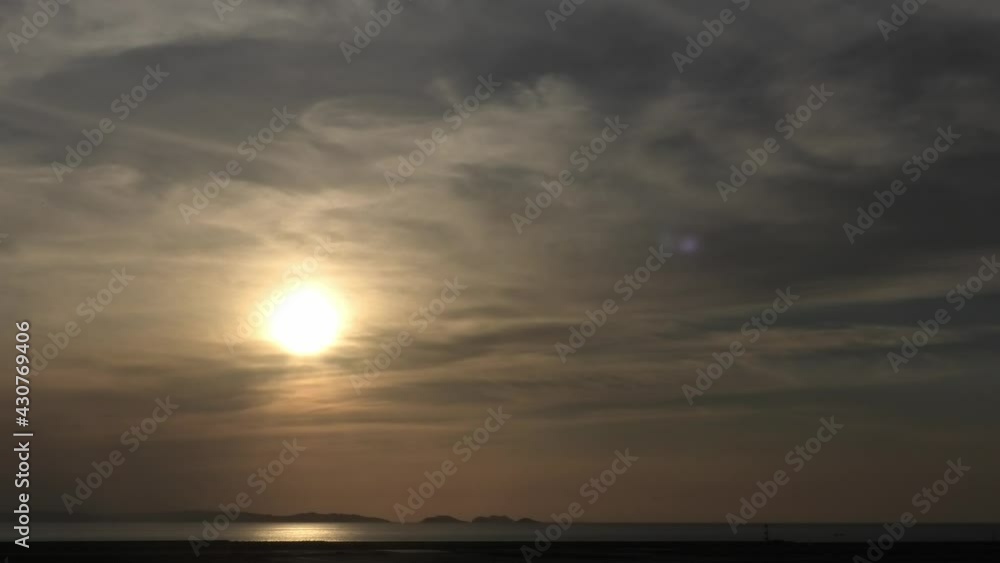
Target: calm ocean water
(147, 531)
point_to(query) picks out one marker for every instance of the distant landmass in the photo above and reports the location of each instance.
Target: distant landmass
(310, 517)
(442, 520)
(199, 515)
(501, 520)
(315, 517)
(477, 520)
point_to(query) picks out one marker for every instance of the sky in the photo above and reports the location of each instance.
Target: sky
(352, 170)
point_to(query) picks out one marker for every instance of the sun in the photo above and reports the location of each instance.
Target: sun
(306, 322)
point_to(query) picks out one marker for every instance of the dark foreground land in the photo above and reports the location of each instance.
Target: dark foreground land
(474, 552)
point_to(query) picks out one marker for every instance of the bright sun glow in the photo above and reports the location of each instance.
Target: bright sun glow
(306, 323)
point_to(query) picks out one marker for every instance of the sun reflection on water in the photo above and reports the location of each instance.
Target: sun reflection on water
(301, 532)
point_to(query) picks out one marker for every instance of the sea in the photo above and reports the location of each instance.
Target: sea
(463, 532)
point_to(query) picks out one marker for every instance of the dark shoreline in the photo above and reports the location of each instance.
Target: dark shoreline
(473, 552)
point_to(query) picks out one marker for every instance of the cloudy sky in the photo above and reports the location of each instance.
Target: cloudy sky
(200, 266)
